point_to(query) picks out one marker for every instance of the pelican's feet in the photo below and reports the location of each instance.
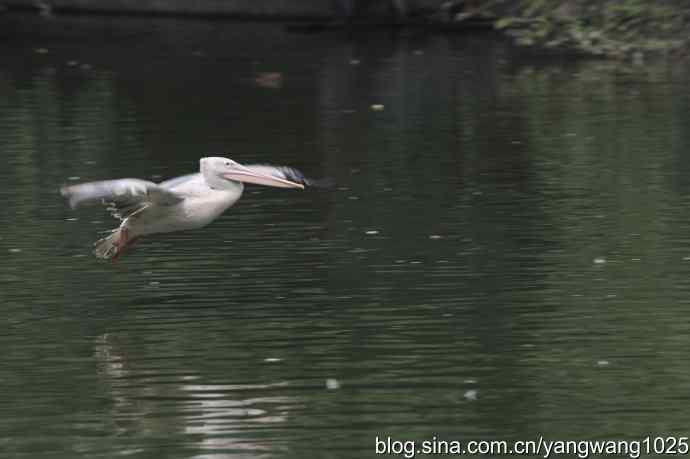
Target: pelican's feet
(120, 244)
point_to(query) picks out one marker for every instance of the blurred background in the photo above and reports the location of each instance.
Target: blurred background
(506, 253)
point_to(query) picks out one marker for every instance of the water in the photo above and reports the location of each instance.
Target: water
(506, 254)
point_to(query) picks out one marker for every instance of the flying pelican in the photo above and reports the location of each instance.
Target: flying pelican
(182, 203)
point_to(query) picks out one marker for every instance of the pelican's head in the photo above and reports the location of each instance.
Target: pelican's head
(222, 173)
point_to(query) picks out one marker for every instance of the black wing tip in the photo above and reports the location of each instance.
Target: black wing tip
(325, 183)
(299, 177)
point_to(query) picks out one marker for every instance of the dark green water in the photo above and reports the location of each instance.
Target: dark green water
(506, 255)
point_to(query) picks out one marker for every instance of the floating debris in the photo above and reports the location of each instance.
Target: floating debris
(71, 219)
(272, 360)
(74, 177)
(154, 283)
(377, 107)
(44, 9)
(471, 394)
(470, 381)
(272, 80)
(435, 236)
(353, 198)
(332, 384)
(599, 260)
(371, 232)
(602, 363)
(14, 250)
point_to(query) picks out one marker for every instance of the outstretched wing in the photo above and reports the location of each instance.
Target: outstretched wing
(124, 196)
(288, 173)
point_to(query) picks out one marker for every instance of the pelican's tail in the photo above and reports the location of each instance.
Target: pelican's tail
(110, 246)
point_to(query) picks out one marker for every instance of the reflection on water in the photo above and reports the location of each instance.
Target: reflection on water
(211, 416)
(505, 255)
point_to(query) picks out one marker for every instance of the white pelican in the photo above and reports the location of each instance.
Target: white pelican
(182, 203)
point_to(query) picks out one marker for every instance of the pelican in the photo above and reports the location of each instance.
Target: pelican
(183, 203)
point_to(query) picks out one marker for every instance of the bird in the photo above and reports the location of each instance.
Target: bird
(182, 203)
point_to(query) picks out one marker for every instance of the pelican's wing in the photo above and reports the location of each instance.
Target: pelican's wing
(288, 173)
(124, 196)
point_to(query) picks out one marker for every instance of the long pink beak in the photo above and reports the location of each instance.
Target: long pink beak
(248, 175)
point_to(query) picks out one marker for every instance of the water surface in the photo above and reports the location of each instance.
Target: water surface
(506, 254)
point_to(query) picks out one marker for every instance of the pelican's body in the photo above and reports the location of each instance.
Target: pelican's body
(183, 203)
(200, 206)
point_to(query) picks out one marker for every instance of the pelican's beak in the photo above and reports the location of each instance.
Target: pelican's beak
(248, 175)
